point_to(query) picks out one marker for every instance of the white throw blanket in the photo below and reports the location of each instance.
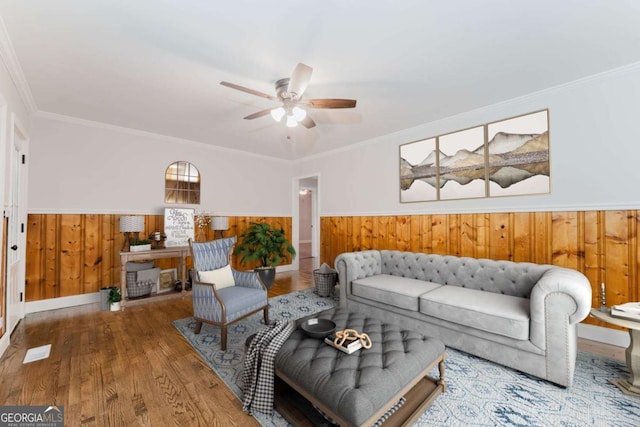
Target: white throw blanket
(259, 366)
(149, 276)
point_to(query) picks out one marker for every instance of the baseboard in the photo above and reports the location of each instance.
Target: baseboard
(62, 302)
(603, 335)
(589, 332)
(287, 267)
(4, 343)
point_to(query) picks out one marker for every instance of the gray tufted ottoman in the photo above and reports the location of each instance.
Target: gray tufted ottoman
(358, 389)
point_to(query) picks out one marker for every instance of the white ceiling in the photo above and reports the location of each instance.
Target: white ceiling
(156, 65)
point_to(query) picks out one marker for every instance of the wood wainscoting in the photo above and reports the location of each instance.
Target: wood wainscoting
(74, 254)
(601, 244)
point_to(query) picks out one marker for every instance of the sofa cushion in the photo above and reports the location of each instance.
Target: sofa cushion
(506, 277)
(497, 313)
(397, 291)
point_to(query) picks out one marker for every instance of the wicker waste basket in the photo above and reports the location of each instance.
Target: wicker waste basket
(141, 278)
(325, 279)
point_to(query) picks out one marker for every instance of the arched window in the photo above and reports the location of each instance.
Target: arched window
(182, 184)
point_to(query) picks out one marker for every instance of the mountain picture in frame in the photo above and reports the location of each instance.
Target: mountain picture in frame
(518, 155)
(462, 168)
(502, 158)
(418, 171)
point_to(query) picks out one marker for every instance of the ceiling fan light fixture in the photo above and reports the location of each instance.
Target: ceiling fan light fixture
(277, 113)
(291, 122)
(289, 92)
(299, 113)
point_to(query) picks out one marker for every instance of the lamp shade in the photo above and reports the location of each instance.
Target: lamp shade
(278, 114)
(131, 223)
(291, 122)
(299, 113)
(220, 223)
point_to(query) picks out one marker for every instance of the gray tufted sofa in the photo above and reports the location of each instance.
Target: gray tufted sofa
(520, 315)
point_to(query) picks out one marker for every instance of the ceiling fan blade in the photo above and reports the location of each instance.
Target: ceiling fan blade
(329, 103)
(308, 122)
(299, 79)
(259, 114)
(247, 90)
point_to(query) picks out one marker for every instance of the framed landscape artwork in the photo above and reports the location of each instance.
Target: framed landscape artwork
(418, 177)
(519, 155)
(507, 157)
(462, 164)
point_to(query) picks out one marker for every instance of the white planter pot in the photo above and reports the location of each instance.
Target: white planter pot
(115, 306)
(139, 248)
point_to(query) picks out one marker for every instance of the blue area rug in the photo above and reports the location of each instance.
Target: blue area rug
(479, 393)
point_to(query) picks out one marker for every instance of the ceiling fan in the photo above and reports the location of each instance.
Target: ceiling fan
(289, 92)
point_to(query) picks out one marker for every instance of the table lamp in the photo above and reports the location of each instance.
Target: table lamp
(130, 224)
(219, 224)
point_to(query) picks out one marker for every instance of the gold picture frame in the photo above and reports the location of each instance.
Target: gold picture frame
(167, 280)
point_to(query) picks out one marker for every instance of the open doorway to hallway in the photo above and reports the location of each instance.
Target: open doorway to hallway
(308, 220)
(305, 225)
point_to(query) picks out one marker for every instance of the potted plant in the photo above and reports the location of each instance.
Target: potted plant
(140, 245)
(114, 299)
(267, 245)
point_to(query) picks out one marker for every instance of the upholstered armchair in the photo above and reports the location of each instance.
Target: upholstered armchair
(222, 295)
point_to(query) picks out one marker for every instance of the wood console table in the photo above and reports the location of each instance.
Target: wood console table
(180, 252)
(630, 386)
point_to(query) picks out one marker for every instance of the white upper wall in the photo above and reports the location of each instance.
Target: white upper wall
(594, 137)
(594, 150)
(10, 104)
(9, 95)
(79, 167)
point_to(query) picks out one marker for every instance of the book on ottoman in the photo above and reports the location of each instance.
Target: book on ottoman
(347, 347)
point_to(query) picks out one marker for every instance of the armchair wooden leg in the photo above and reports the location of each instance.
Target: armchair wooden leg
(198, 328)
(266, 316)
(223, 338)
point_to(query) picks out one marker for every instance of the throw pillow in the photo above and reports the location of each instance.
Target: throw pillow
(222, 277)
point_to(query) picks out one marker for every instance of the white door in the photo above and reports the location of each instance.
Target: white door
(16, 215)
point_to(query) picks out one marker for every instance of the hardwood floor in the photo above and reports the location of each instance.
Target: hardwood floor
(133, 367)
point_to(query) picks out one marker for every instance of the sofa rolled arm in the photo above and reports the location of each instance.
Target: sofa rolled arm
(560, 293)
(356, 265)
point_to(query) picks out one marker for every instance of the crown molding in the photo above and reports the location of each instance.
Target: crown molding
(158, 211)
(8, 56)
(526, 99)
(150, 135)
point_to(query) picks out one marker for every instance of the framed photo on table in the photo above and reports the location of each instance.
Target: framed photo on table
(167, 280)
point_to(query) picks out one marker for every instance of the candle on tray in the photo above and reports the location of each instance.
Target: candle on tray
(603, 298)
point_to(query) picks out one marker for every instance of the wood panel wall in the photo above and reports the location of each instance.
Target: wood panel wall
(73, 254)
(601, 244)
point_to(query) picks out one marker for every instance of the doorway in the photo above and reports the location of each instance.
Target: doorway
(15, 212)
(308, 229)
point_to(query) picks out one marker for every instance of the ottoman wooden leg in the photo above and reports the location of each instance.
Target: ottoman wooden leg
(441, 381)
